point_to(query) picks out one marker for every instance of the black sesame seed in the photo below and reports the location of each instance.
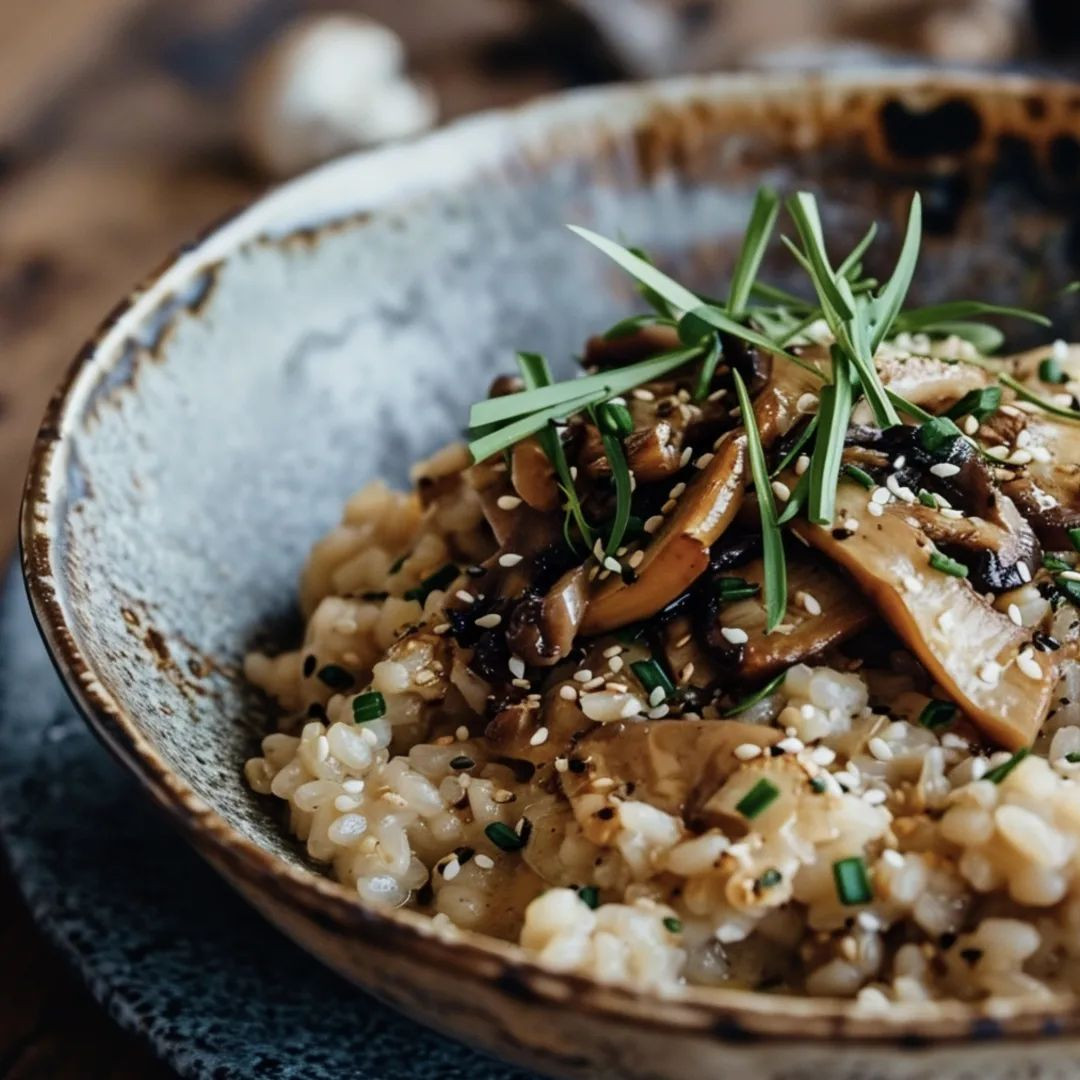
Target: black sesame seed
(462, 762)
(606, 813)
(309, 665)
(576, 765)
(776, 751)
(1044, 642)
(971, 956)
(336, 677)
(316, 711)
(947, 940)
(464, 854)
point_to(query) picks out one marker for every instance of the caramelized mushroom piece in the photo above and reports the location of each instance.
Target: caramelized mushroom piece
(604, 352)
(679, 552)
(822, 611)
(982, 659)
(533, 475)
(926, 381)
(542, 629)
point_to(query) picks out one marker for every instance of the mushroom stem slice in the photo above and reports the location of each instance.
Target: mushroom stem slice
(679, 551)
(976, 654)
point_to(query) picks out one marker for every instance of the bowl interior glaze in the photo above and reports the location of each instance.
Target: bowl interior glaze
(338, 330)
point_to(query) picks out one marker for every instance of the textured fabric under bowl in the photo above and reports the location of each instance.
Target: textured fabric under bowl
(161, 942)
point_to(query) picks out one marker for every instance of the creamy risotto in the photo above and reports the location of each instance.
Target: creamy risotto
(746, 658)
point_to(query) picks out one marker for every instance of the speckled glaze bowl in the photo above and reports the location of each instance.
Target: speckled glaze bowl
(338, 329)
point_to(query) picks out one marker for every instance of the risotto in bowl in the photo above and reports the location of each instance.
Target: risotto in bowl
(649, 647)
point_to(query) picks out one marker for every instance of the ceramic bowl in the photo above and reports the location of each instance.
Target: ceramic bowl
(336, 330)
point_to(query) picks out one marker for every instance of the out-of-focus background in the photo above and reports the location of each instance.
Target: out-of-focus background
(126, 126)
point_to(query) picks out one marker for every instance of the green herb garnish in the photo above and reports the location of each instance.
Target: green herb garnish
(1025, 394)
(797, 447)
(928, 498)
(996, 775)
(947, 566)
(761, 795)
(937, 435)
(772, 541)
(441, 579)
(589, 895)
(818, 785)
(672, 925)
(369, 706)
(1072, 757)
(760, 694)
(979, 403)
(852, 881)
(652, 676)
(860, 476)
(730, 589)
(835, 413)
(1074, 538)
(937, 714)
(1050, 371)
(502, 836)
(769, 879)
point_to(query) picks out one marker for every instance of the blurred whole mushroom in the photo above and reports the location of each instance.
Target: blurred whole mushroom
(327, 85)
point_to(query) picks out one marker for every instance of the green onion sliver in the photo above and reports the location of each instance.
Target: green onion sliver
(852, 881)
(1074, 538)
(937, 714)
(761, 795)
(673, 925)
(947, 566)
(745, 703)
(730, 589)
(652, 676)
(860, 476)
(369, 706)
(589, 896)
(1050, 371)
(502, 836)
(996, 775)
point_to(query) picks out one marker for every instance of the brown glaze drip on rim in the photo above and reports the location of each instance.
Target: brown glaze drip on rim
(893, 116)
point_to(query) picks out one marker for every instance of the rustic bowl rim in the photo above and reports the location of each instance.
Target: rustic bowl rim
(285, 212)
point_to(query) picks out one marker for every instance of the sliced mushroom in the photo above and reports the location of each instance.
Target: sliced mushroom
(674, 765)
(533, 475)
(542, 629)
(968, 647)
(784, 400)
(927, 381)
(679, 552)
(822, 611)
(604, 352)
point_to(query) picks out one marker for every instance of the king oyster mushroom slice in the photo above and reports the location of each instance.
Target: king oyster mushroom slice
(969, 648)
(926, 381)
(533, 476)
(541, 630)
(674, 765)
(822, 611)
(603, 352)
(679, 552)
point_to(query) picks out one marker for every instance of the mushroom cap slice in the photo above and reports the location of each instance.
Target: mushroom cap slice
(822, 611)
(679, 552)
(968, 647)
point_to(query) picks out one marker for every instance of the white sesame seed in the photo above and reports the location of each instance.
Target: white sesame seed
(1027, 663)
(521, 684)
(892, 857)
(716, 395)
(686, 672)
(899, 461)
(676, 491)
(442, 628)
(703, 461)
(1060, 350)
(747, 751)
(971, 425)
(616, 663)
(1024, 572)
(485, 862)
(567, 692)
(999, 453)
(657, 695)
(653, 523)
(944, 469)
(516, 666)
(424, 676)
(658, 712)
(510, 559)
(353, 787)
(951, 513)
(807, 403)
(488, 622)
(879, 748)
(636, 559)
(465, 597)
(1041, 454)
(781, 490)
(612, 650)
(990, 672)
(508, 502)
(1019, 457)
(613, 565)
(344, 805)
(1070, 575)
(1023, 437)
(451, 870)
(802, 463)
(641, 394)
(735, 635)
(668, 506)
(867, 920)
(593, 684)
(462, 733)
(880, 496)
(875, 796)
(539, 737)
(631, 708)
(851, 524)
(687, 454)
(875, 509)
(809, 602)
(911, 583)
(584, 675)
(822, 755)
(1014, 615)
(573, 472)
(791, 745)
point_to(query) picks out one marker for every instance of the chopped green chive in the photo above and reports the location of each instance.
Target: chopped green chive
(1052, 562)
(937, 714)
(771, 877)
(928, 498)
(589, 896)
(1070, 589)
(1050, 371)
(673, 925)
(947, 566)
(758, 695)
(439, 580)
(1072, 757)
(336, 677)
(978, 403)
(625, 327)
(860, 476)
(730, 589)
(652, 676)
(938, 435)
(369, 706)
(1074, 538)
(502, 836)
(852, 881)
(996, 775)
(615, 418)
(1025, 394)
(761, 795)
(818, 785)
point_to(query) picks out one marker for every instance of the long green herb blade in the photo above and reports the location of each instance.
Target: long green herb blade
(708, 369)
(797, 446)
(607, 383)
(887, 304)
(719, 320)
(755, 241)
(779, 296)
(674, 293)
(846, 268)
(804, 212)
(772, 542)
(620, 472)
(505, 437)
(921, 318)
(1025, 394)
(799, 494)
(835, 412)
(536, 373)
